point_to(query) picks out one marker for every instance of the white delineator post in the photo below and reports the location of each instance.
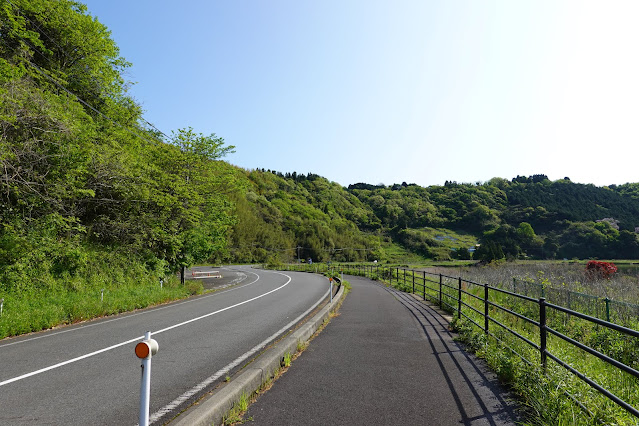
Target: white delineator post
(145, 351)
(330, 288)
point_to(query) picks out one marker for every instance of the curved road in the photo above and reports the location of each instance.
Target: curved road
(88, 374)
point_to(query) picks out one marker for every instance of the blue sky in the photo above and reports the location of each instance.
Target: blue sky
(392, 91)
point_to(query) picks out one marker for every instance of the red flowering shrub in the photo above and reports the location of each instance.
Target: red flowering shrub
(595, 269)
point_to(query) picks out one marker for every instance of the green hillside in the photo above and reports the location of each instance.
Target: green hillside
(525, 217)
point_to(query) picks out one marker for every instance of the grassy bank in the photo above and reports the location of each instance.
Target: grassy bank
(103, 283)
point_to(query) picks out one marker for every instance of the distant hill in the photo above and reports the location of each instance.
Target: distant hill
(523, 217)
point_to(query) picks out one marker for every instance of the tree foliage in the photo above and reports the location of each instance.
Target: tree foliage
(79, 170)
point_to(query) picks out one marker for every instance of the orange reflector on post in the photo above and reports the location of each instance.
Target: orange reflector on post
(142, 350)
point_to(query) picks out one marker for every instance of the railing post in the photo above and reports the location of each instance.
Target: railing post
(607, 309)
(440, 290)
(413, 282)
(543, 332)
(404, 277)
(486, 308)
(424, 283)
(459, 302)
(514, 285)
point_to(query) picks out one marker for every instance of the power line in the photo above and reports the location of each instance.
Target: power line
(40, 29)
(67, 90)
(41, 71)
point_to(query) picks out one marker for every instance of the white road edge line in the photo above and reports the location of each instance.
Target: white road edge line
(61, 364)
(124, 315)
(201, 386)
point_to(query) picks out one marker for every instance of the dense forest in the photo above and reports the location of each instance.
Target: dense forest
(87, 184)
(529, 217)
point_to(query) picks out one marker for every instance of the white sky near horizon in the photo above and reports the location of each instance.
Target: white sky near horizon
(386, 92)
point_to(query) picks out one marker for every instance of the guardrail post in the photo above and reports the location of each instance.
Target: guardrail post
(404, 277)
(424, 282)
(1, 305)
(514, 285)
(330, 287)
(607, 309)
(459, 302)
(486, 308)
(543, 332)
(413, 282)
(440, 290)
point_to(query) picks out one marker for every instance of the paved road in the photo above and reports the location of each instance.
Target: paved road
(387, 359)
(88, 374)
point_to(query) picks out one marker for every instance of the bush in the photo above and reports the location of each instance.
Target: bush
(598, 270)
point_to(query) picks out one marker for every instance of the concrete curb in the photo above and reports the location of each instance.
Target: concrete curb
(212, 409)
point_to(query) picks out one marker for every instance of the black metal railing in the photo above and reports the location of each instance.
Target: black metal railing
(475, 301)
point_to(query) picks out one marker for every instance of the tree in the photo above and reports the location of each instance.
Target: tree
(488, 252)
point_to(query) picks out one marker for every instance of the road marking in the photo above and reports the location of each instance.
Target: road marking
(201, 386)
(124, 316)
(61, 364)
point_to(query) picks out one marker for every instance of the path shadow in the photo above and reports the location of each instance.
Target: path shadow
(491, 403)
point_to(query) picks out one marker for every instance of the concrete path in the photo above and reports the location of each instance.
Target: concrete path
(387, 359)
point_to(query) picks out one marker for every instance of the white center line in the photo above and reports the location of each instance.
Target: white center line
(201, 386)
(61, 364)
(125, 316)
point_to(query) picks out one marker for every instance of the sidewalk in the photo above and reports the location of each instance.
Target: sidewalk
(385, 360)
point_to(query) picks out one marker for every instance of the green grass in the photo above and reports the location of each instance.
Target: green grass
(235, 415)
(549, 397)
(39, 294)
(43, 309)
(394, 253)
(450, 239)
(286, 361)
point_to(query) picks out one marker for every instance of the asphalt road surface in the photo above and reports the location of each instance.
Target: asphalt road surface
(88, 374)
(386, 359)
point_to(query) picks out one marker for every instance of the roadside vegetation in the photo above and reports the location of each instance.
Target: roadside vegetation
(555, 396)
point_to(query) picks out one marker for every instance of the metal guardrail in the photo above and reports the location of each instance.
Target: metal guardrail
(452, 293)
